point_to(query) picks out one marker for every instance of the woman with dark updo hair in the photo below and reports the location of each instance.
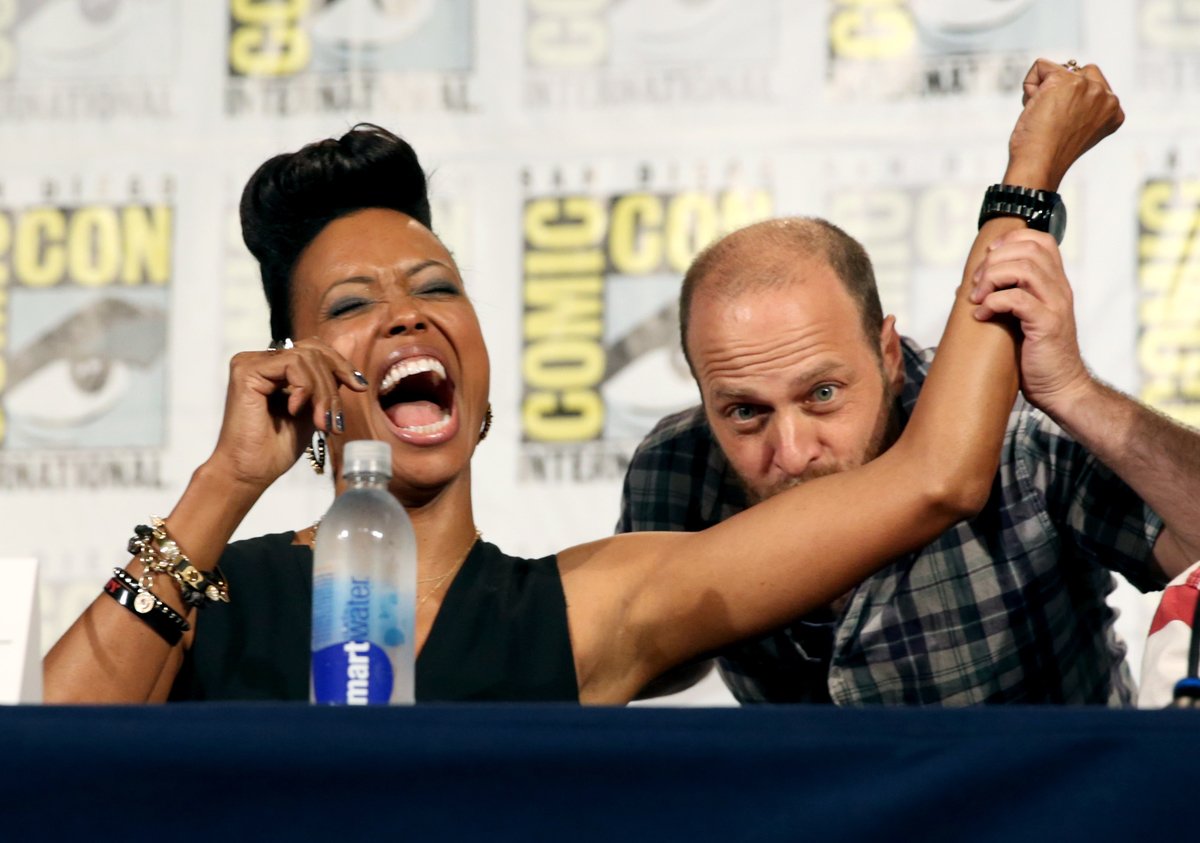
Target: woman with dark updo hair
(387, 346)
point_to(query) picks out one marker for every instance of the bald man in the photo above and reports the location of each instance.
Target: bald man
(801, 375)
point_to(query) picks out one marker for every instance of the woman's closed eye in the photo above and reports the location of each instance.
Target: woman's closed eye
(440, 287)
(345, 305)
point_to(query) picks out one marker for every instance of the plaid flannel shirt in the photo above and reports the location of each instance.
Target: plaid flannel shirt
(1008, 606)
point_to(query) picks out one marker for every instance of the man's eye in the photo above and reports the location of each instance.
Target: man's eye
(743, 412)
(824, 393)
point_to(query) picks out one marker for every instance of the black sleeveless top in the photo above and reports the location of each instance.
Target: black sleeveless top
(501, 633)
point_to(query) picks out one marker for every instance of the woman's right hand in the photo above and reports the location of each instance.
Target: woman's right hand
(275, 401)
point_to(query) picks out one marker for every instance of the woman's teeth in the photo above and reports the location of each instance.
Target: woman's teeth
(430, 428)
(410, 366)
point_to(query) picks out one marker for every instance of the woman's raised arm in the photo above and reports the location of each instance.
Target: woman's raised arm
(674, 596)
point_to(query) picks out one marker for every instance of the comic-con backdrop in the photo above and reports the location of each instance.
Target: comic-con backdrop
(582, 151)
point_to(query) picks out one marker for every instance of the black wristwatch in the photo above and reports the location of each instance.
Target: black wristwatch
(1042, 210)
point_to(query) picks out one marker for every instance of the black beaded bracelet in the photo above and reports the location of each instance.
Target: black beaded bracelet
(165, 621)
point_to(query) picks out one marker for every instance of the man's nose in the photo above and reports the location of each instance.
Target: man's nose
(797, 445)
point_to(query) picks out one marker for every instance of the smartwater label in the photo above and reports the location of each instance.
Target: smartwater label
(352, 673)
(357, 626)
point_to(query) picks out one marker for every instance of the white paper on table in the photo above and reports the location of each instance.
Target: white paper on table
(20, 653)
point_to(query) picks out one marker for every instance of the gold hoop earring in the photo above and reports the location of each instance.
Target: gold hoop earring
(487, 422)
(316, 453)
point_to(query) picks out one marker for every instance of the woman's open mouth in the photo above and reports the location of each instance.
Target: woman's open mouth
(418, 399)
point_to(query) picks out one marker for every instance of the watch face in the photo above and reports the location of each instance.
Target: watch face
(1058, 221)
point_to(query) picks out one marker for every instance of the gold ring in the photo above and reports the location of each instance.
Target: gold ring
(1071, 65)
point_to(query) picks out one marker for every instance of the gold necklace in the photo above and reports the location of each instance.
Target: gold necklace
(441, 578)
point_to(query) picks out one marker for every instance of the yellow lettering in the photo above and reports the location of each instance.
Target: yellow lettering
(565, 307)
(1180, 304)
(563, 359)
(572, 415)
(146, 248)
(93, 246)
(564, 263)
(562, 224)
(564, 363)
(273, 51)
(1173, 247)
(1163, 276)
(635, 242)
(39, 258)
(5, 247)
(1169, 206)
(266, 12)
(866, 32)
(691, 225)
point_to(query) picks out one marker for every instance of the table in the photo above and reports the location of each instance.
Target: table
(520, 772)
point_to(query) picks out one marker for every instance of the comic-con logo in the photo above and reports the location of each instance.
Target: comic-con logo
(601, 360)
(83, 303)
(315, 56)
(1169, 284)
(1169, 45)
(598, 53)
(923, 48)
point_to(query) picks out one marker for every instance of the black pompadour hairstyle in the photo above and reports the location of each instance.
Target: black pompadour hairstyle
(293, 196)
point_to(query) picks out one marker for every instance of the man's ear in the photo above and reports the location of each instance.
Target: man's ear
(891, 354)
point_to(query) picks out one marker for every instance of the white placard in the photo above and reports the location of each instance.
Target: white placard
(20, 654)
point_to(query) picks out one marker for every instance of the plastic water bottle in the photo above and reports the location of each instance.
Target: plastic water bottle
(364, 588)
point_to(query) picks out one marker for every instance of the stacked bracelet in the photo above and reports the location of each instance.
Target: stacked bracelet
(159, 555)
(160, 617)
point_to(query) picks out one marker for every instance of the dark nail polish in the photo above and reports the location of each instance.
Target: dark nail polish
(328, 420)
(341, 424)
(358, 376)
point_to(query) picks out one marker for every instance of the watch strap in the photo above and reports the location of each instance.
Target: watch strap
(1030, 204)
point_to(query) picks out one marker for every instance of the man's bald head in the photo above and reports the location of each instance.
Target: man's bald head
(763, 255)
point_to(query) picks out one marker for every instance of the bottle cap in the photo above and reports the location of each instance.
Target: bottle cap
(367, 456)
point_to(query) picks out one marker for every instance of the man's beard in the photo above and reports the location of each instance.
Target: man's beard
(886, 432)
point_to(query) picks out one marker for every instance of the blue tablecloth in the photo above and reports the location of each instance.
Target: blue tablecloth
(526, 773)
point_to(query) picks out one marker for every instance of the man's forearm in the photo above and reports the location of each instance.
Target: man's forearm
(1157, 457)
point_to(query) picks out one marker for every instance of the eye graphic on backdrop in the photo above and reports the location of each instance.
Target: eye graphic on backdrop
(361, 22)
(86, 38)
(83, 368)
(960, 17)
(678, 31)
(374, 36)
(646, 354)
